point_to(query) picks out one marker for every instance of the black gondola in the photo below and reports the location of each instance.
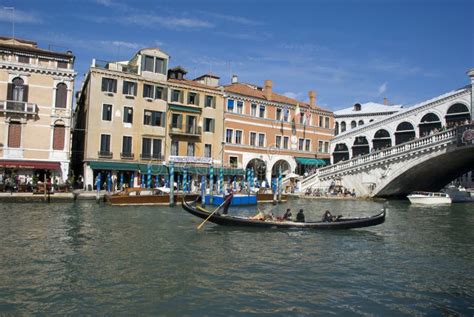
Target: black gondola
(340, 223)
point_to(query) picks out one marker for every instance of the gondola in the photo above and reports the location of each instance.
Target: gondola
(341, 223)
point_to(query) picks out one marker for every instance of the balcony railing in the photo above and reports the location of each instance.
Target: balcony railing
(189, 130)
(105, 154)
(127, 155)
(152, 156)
(12, 106)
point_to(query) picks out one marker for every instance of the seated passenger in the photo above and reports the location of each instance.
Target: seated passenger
(300, 216)
(287, 215)
(327, 217)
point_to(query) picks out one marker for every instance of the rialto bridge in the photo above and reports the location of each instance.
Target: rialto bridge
(423, 147)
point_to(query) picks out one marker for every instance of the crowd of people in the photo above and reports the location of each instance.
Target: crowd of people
(14, 183)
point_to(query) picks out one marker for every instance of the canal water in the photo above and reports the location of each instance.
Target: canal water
(88, 259)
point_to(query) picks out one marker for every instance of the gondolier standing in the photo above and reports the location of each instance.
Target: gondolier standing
(227, 200)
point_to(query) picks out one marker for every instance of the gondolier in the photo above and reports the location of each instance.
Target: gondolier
(227, 201)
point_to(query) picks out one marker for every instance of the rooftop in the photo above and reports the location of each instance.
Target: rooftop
(369, 108)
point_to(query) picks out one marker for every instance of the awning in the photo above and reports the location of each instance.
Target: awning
(200, 170)
(184, 108)
(156, 169)
(310, 161)
(25, 164)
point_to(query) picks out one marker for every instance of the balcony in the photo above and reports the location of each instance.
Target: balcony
(127, 156)
(105, 154)
(189, 130)
(152, 156)
(21, 107)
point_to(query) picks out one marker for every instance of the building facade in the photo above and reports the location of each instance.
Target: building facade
(269, 132)
(135, 117)
(36, 88)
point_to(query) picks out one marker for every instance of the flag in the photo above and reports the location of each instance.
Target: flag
(297, 112)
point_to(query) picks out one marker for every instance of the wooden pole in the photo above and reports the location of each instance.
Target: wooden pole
(44, 183)
(218, 207)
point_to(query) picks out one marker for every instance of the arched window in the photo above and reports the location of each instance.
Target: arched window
(353, 124)
(343, 126)
(381, 140)
(340, 153)
(61, 95)
(457, 114)
(58, 136)
(429, 123)
(360, 147)
(17, 90)
(361, 122)
(405, 132)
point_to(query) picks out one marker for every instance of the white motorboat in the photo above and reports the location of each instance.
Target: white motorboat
(459, 194)
(429, 198)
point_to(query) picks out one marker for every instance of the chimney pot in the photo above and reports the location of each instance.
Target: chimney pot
(267, 90)
(235, 79)
(312, 98)
(385, 101)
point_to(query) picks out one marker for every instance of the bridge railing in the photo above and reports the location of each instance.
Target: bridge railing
(393, 151)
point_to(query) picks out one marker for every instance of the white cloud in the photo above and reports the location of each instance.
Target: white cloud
(19, 16)
(383, 88)
(149, 20)
(233, 18)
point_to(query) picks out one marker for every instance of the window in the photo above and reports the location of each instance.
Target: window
(230, 105)
(320, 121)
(209, 102)
(228, 135)
(240, 107)
(238, 136)
(208, 125)
(176, 95)
(191, 147)
(302, 117)
(105, 144)
(193, 98)
(146, 148)
(326, 122)
(160, 66)
(58, 137)
(320, 146)
(278, 114)
(253, 138)
(253, 110)
(160, 93)
(129, 88)
(285, 142)
(175, 148)
(207, 150)
(343, 126)
(361, 122)
(148, 63)
(157, 149)
(127, 114)
(326, 147)
(176, 121)
(17, 90)
(147, 91)
(286, 114)
(107, 112)
(109, 84)
(233, 161)
(61, 95)
(151, 148)
(261, 112)
(278, 141)
(62, 64)
(154, 118)
(14, 134)
(127, 146)
(300, 144)
(23, 59)
(307, 145)
(261, 139)
(353, 124)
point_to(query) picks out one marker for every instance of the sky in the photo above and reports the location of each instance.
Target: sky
(347, 51)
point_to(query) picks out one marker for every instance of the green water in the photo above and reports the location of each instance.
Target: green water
(88, 259)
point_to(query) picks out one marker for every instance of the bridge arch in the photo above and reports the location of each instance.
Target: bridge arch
(457, 113)
(340, 153)
(285, 168)
(259, 167)
(360, 146)
(381, 140)
(428, 123)
(405, 132)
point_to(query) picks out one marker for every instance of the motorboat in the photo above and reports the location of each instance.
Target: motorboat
(429, 198)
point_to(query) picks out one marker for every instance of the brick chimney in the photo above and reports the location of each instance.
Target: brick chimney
(267, 90)
(385, 101)
(312, 98)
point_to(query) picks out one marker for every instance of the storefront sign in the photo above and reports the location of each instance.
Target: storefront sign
(191, 159)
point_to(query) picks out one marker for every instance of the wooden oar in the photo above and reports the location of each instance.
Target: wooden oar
(202, 223)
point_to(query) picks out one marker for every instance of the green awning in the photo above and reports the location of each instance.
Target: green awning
(201, 170)
(185, 108)
(310, 161)
(156, 169)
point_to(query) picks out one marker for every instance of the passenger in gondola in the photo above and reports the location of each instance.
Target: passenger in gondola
(228, 201)
(300, 216)
(287, 215)
(327, 217)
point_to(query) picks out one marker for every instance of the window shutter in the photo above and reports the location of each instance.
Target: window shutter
(10, 91)
(25, 93)
(163, 119)
(212, 125)
(104, 85)
(58, 138)
(14, 135)
(61, 96)
(114, 85)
